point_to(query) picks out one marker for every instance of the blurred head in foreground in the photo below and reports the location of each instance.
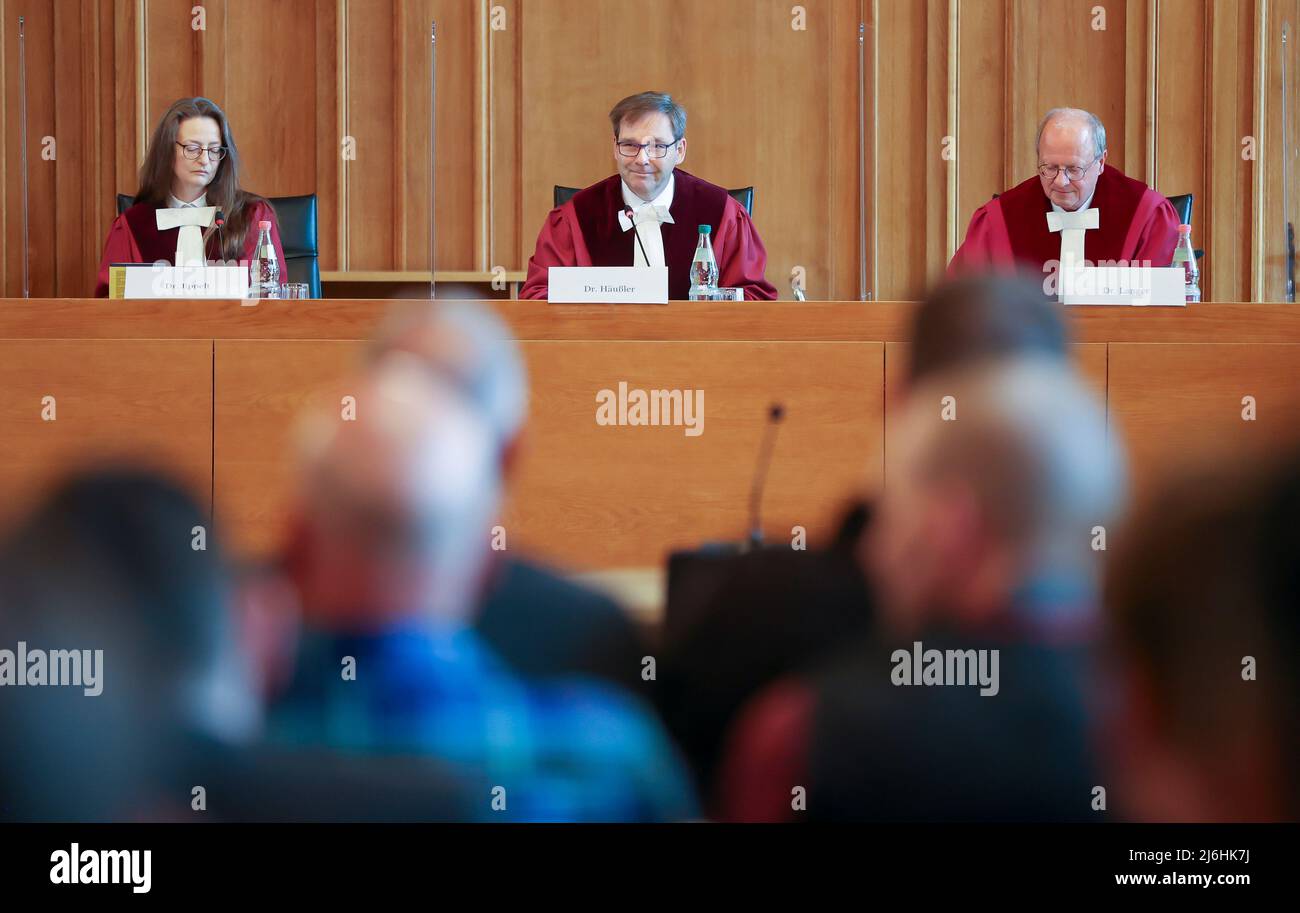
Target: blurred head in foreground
(398, 500)
(998, 475)
(119, 568)
(977, 319)
(1204, 596)
(470, 348)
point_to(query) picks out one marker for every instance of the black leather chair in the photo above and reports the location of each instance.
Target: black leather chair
(742, 195)
(297, 220)
(1182, 204)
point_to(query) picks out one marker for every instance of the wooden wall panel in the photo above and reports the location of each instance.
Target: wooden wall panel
(1277, 201)
(510, 242)
(767, 124)
(1182, 108)
(1223, 223)
(41, 95)
(908, 164)
(983, 167)
(1060, 59)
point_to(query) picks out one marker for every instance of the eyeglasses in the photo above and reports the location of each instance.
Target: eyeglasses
(192, 151)
(654, 150)
(1073, 172)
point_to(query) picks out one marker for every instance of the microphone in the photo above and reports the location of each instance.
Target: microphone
(218, 223)
(631, 217)
(775, 413)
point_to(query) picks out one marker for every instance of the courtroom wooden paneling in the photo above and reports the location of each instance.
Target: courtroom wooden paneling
(593, 496)
(587, 495)
(261, 389)
(162, 376)
(524, 89)
(141, 400)
(1174, 402)
(1225, 223)
(1277, 202)
(812, 321)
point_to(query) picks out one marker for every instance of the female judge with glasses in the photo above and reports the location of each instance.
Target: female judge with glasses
(191, 162)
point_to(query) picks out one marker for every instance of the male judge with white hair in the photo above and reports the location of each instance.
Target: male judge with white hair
(1077, 207)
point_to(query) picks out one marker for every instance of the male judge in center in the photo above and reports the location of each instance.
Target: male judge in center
(649, 213)
(1076, 207)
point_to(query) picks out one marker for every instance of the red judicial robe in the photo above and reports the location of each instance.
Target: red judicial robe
(1135, 224)
(585, 232)
(134, 238)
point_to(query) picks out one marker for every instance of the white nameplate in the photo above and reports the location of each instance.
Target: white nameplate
(607, 285)
(1127, 285)
(150, 281)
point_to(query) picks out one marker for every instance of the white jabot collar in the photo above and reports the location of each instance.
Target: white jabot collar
(173, 203)
(665, 198)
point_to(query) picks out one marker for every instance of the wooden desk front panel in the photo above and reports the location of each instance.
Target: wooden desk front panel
(586, 495)
(1176, 402)
(137, 378)
(147, 401)
(591, 496)
(262, 388)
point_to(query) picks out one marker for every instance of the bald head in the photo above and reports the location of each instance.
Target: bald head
(1070, 138)
(398, 502)
(997, 474)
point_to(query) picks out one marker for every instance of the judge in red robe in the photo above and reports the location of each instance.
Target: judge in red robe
(191, 161)
(649, 213)
(1136, 226)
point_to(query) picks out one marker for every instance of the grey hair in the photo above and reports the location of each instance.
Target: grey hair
(1032, 440)
(1096, 129)
(644, 103)
(470, 346)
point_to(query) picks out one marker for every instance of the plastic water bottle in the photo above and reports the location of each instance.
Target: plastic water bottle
(704, 269)
(1185, 256)
(264, 270)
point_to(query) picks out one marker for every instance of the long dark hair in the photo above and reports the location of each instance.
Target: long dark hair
(158, 172)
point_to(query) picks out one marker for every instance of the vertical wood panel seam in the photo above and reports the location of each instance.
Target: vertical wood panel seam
(481, 135)
(1257, 185)
(399, 137)
(341, 56)
(1153, 96)
(517, 178)
(954, 127)
(141, 81)
(490, 189)
(875, 148)
(4, 159)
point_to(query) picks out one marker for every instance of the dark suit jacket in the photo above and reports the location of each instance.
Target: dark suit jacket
(544, 626)
(885, 752)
